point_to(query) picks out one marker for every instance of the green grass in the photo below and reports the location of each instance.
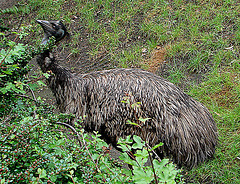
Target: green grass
(202, 41)
(221, 94)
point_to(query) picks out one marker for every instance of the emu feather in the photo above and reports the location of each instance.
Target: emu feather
(184, 125)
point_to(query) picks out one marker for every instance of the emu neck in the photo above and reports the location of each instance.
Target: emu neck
(44, 60)
(47, 62)
(59, 80)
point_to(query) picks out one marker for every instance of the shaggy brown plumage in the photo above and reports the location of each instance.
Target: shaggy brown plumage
(184, 125)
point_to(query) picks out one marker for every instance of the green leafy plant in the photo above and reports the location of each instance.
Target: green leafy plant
(160, 171)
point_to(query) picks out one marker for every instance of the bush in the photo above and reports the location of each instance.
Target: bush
(36, 148)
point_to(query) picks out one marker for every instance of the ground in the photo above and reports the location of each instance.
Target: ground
(7, 3)
(211, 43)
(82, 62)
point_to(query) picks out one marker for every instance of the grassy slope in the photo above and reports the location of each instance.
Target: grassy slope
(201, 43)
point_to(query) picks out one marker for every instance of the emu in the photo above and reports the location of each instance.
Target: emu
(184, 125)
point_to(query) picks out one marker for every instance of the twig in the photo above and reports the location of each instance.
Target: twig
(72, 179)
(90, 155)
(24, 96)
(34, 97)
(73, 129)
(111, 170)
(156, 155)
(6, 119)
(84, 143)
(151, 160)
(32, 81)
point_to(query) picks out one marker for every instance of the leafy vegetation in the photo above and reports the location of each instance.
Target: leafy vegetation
(201, 42)
(162, 172)
(34, 149)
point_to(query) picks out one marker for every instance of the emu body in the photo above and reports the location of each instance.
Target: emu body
(184, 125)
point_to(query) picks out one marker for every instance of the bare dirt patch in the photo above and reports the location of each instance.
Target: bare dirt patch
(4, 4)
(157, 59)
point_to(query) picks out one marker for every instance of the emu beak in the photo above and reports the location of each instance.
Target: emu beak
(45, 25)
(47, 28)
(52, 28)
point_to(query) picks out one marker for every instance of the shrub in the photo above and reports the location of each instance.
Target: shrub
(35, 148)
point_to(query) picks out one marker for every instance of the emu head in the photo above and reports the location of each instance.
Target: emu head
(53, 28)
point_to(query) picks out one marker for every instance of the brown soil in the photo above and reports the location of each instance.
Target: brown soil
(157, 59)
(4, 4)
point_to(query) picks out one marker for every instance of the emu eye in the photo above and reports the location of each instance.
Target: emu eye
(54, 26)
